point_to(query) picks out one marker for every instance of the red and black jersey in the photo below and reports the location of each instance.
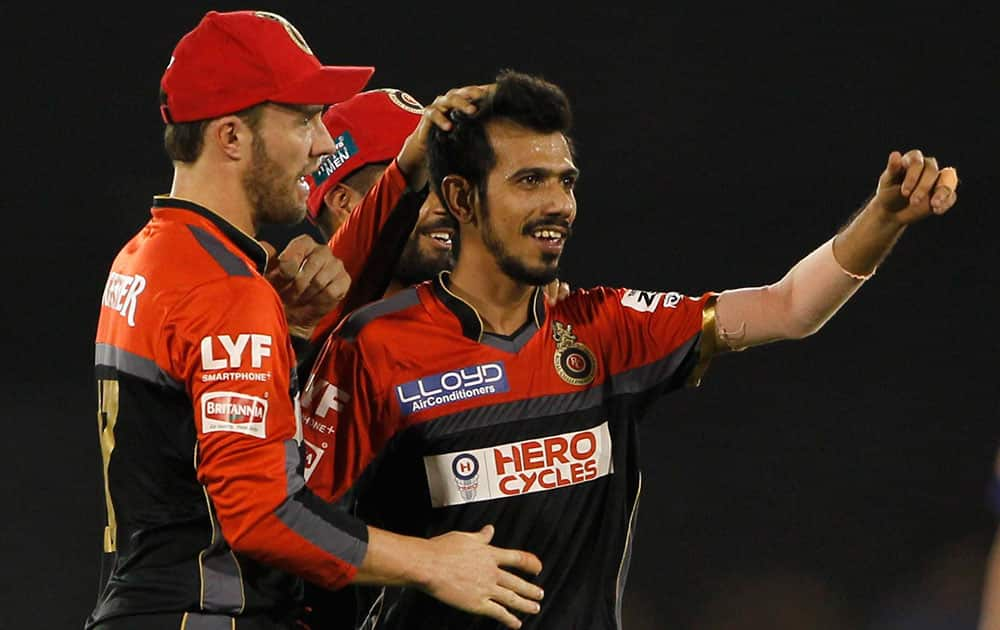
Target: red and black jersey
(208, 513)
(535, 432)
(368, 244)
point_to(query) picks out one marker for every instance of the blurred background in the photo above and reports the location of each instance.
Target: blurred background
(839, 482)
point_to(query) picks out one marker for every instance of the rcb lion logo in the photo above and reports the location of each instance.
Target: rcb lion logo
(574, 362)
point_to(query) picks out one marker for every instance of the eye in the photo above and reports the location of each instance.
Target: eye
(531, 179)
(569, 182)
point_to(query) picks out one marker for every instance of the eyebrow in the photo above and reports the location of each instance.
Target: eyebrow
(307, 110)
(546, 172)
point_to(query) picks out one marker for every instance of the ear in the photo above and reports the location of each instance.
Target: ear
(231, 135)
(460, 198)
(342, 197)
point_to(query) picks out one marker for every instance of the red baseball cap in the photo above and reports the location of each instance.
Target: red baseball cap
(367, 128)
(234, 60)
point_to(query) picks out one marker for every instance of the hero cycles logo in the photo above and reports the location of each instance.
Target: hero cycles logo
(516, 468)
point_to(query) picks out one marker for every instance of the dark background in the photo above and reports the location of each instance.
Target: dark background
(837, 482)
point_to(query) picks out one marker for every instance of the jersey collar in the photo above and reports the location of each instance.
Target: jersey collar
(236, 236)
(468, 317)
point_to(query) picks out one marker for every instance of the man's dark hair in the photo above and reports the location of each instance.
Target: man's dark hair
(184, 141)
(526, 100)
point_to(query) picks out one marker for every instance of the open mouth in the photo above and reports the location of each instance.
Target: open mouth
(441, 236)
(550, 237)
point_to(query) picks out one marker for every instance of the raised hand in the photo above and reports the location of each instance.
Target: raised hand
(913, 186)
(309, 279)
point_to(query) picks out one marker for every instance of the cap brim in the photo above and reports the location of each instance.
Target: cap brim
(326, 86)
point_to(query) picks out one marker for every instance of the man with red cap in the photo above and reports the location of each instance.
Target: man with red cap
(209, 521)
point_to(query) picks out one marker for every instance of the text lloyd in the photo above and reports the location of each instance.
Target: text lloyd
(449, 381)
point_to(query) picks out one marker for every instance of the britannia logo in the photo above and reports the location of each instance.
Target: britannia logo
(574, 362)
(465, 468)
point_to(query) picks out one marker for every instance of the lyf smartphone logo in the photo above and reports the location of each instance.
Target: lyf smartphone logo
(224, 352)
(465, 468)
(574, 362)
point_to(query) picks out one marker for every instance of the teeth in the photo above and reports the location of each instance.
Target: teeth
(547, 234)
(441, 236)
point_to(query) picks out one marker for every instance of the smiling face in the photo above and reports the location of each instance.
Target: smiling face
(429, 249)
(529, 207)
(288, 143)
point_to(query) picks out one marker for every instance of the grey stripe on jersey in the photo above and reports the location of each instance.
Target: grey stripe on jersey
(230, 262)
(106, 355)
(306, 523)
(634, 381)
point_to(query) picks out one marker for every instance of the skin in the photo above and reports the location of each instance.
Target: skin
(248, 177)
(531, 188)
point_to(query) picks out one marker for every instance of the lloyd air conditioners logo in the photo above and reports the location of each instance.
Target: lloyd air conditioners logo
(448, 387)
(234, 412)
(517, 468)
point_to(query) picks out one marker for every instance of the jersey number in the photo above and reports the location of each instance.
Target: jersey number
(107, 415)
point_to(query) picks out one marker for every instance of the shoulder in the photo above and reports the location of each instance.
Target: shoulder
(373, 316)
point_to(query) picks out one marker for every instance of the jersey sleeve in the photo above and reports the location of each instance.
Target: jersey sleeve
(228, 342)
(345, 422)
(370, 241)
(654, 342)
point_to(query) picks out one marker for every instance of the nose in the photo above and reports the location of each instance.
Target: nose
(562, 204)
(322, 143)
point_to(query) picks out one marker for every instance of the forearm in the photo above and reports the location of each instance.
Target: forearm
(866, 240)
(794, 307)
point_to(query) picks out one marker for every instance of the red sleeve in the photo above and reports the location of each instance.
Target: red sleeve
(229, 341)
(651, 341)
(370, 241)
(344, 422)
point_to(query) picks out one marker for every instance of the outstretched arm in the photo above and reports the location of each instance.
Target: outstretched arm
(911, 188)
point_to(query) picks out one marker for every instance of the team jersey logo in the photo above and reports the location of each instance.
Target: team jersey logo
(233, 412)
(291, 30)
(452, 386)
(574, 362)
(648, 301)
(509, 470)
(403, 100)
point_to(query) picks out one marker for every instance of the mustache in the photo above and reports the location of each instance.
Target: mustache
(564, 224)
(445, 222)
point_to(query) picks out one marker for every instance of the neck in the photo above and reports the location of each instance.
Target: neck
(501, 301)
(221, 193)
(395, 286)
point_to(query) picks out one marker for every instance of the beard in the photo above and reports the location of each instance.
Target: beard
(415, 265)
(514, 267)
(273, 197)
